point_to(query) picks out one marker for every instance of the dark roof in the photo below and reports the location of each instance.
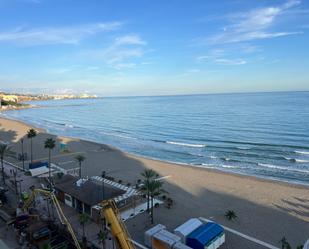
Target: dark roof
(90, 192)
(204, 234)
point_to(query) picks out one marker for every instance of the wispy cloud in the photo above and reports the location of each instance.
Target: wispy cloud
(255, 24)
(230, 62)
(129, 40)
(121, 52)
(56, 35)
(218, 60)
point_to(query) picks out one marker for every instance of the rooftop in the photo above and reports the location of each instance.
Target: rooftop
(89, 192)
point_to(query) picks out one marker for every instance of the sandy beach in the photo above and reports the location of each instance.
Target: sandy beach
(267, 210)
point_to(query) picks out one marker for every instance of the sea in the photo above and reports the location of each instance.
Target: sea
(258, 134)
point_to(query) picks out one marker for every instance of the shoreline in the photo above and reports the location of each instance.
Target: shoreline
(196, 192)
(138, 157)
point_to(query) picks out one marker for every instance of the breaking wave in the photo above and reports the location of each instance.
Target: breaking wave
(271, 166)
(186, 144)
(302, 152)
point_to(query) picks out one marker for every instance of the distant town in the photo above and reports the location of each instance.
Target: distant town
(17, 101)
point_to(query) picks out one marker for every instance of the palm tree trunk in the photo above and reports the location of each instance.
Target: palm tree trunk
(2, 171)
(148, 200)
(31, 155)
(151, 209)
(49, 170)
(22, 152)
(80, 170)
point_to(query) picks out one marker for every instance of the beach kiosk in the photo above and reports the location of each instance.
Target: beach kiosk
(208, 236)
(186, 228)
(306, 246)
(152, 231)
(180, 245)
(164, 240)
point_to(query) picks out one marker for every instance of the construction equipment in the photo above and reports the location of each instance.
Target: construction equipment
(59, 211)
(110, 213)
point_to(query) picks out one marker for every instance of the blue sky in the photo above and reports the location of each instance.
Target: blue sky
(154, 47)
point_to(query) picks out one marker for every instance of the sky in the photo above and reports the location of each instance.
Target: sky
(161, 47)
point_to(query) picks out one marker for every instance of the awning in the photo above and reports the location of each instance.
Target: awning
(38, 171)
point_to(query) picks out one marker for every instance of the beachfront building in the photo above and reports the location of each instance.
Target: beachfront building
(208, 236)
(83, 194)
(187, 228)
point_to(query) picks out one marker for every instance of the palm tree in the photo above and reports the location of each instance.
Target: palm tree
(230, 215)
(5, 150)
(148, 175)
(155, 189)
(49, 144)
(80, 159)
(83, 219)
(284, 243)
(102, 235)
(31, 134)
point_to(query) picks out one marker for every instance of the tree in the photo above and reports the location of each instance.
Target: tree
(83, 219)
(102, 235)
(5, 151)
(155, 189)
(31, 134)
(80, 159)
(284, 243)
(148, 175)
(50, 145)
(230, 215)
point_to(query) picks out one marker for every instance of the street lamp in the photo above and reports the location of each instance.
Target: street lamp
(19, 182)
(22, 152)
(103, 189)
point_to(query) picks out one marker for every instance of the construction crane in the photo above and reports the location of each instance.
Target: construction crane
(59, 211)
(110, 213)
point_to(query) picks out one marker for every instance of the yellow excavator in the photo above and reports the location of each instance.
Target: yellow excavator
(109, 211)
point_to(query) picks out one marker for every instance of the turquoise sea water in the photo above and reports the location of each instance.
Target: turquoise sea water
(260, 134)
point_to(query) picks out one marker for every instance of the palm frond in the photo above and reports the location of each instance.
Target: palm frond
(49, 143)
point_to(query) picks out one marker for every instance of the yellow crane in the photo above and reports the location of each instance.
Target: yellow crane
(118, 229)
(59, 211)
(109, 211)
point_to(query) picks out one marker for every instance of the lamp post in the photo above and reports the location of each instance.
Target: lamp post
(22, 152)
(19, 182)
(103, 196)
(103, 187)
(15, 181)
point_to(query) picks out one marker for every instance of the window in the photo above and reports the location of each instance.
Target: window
(68, 197)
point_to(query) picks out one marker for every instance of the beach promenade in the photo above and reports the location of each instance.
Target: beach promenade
(266, 210)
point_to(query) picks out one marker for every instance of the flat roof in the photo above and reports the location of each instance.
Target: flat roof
(205, 233)
(3, 245)
(90, 192)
